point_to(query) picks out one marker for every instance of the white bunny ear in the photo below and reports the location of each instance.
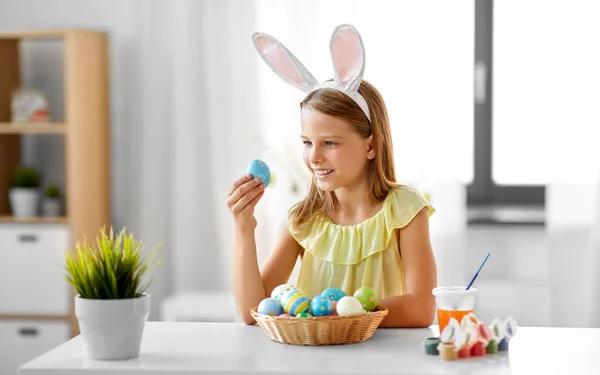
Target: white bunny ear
(283, 62)
(348, 56)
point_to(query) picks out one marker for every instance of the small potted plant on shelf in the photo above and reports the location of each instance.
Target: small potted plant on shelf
(24, 193)
(51, 202)
(111, 306)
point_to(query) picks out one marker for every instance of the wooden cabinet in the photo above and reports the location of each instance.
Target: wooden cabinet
(32, 289)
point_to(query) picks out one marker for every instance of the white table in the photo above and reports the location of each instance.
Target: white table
(234, 348)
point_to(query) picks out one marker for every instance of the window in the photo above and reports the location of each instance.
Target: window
(537, 120)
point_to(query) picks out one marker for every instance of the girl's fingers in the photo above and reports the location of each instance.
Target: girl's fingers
(237, 183)
(242, 190)
(238, 205)
(255, 200)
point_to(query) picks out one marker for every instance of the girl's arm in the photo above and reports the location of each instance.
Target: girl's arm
(251, 284)
(416, 308)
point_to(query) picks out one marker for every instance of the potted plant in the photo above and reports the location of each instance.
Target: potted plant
(51, 202)
(111, 306)
(24, 193)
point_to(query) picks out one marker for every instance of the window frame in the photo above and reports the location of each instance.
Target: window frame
(483, 190)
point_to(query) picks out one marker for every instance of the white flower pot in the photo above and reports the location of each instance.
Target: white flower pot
(112, 329)
(51, 207)
(24, 201)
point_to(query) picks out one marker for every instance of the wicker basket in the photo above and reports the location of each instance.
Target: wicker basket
(324, 330)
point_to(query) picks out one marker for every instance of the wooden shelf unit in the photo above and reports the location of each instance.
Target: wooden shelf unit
(85, 130)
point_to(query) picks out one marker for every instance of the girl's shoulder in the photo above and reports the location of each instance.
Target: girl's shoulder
(404, 202)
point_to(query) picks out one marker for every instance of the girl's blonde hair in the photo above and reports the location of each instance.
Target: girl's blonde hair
(382, 175)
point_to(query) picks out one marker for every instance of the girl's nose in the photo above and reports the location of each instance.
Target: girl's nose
(316, 155)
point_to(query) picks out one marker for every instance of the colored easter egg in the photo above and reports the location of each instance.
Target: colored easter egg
(450, 331)
(448, 334)
(469, 320)
(461, 339)
(348, 306)
(294, 302)
(498, 330)
(485, 333)
(303, 314)
(510, 327)
(258, 168)
(472, 335)
(280, 290)
(333, 294)
(269, 306)
(367, 298)
(321, 306)
(284, 316)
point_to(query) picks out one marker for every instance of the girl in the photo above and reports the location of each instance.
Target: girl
(356, 226)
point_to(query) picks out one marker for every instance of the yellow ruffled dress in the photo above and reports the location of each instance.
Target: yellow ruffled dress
(352, 256)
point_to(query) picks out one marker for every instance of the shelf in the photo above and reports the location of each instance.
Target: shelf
(32, 128)
(33, 317)
(33, 220)
(38, 34)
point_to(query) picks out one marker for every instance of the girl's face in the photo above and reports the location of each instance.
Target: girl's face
(333, 151)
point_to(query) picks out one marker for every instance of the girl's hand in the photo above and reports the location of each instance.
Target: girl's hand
(243, 197)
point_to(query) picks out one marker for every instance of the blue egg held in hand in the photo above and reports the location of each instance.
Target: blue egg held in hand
(258, 168)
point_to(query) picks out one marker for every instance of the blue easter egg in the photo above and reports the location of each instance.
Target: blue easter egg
(269, 306)
(258, 168)
(321, 306)
(333, 294)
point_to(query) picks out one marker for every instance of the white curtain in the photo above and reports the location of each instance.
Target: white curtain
(196, 91)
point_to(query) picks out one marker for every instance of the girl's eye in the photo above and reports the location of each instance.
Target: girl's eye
(307, 143)
(329, 143)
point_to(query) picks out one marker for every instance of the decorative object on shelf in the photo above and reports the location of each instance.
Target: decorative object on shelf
(51, 201)
(29, 105)
(111, 305)
(24, 195)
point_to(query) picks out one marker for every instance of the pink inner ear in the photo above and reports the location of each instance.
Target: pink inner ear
(278, 59)
(346, 54)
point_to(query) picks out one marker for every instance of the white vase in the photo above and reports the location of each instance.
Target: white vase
(51, 207)
(24, 201)
(112, 329)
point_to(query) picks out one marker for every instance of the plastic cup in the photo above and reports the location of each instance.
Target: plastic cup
(453, 302)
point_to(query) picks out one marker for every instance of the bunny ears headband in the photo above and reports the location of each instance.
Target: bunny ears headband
(347, 55)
